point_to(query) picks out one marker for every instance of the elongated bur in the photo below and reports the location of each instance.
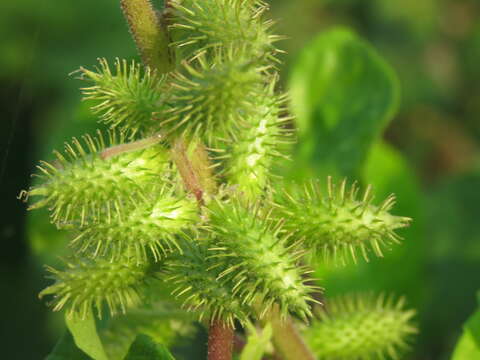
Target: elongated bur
(363, 327)
(210, 99)
(339, 224)
(258, 261)
(94, 283)
(199, 26)
(195, 277)
(252, 151)
(82, 186)
(125, 97)
(140, 230)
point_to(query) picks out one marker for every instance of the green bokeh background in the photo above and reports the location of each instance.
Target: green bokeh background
(429, 155)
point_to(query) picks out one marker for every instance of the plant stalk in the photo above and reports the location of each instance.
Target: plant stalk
(151, 37)
(220, 341)
(287, 340)
(133, 146)
(195, 169)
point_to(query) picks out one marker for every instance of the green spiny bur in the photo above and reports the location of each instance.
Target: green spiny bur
(259, 142)
(94, 283)
(199, 26)
(82, 186)
(339, 224)
(127, 97)
(361, 327)
(211, 100)
(141, 229)
(195, 277)
(260, 263)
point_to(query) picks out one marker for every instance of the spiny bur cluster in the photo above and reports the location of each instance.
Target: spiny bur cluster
(181, 192)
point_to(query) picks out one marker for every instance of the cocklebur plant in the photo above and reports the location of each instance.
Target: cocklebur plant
(181, 192)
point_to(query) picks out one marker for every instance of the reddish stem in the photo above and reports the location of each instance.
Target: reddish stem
(133, 146)
(287, 340)
(195, 169)
(220, 341)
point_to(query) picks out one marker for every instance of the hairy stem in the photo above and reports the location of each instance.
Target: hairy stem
(220, 341)
(195, 169)
(150, 35)
(133, 146)
(287, 340)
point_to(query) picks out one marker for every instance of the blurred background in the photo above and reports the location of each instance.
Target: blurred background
(428, 156)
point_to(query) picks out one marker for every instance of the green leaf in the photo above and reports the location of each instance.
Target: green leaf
(468, 347)
(65, 349)
(85, 335)
(257, 342)
(343, 94)
(144, 348)
(162, 321)
(473, 327)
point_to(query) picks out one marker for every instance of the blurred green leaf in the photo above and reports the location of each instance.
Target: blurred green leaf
(65, 349)
(164, 323)
(84, 332)
(343, 94)
(257, 343)
(144, 348)
(468, 347)
(388, 172)
(453, 255)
